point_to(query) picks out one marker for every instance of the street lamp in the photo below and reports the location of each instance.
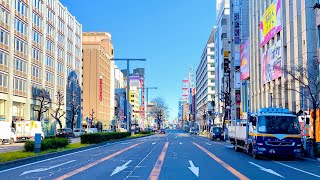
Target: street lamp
(147, 91)
(128, 85)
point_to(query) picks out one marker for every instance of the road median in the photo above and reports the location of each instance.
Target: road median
(19, 158)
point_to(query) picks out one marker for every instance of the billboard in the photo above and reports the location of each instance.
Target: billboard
(271, 63)
(245, 60)
(270, 22)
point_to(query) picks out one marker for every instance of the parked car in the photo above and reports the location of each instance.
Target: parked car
(194, 131)
(7, 133)
(65, 133)
(216, 133)
(78, 132)
(92, 130)
(162, 131)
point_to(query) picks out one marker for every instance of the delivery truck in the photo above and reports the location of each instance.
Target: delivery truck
(269, 132)
(7, 133)
(26, 130)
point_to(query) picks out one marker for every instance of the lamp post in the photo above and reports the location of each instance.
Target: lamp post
(147, 91)
(128, 85)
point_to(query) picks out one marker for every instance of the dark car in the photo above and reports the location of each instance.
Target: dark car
(216, 133)
(162, 131)
(65, 133)
(194, 131)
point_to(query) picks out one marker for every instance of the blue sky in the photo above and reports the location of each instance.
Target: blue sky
(170, 34)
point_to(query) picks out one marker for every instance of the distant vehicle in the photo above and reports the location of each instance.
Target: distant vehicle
(78, 132)
(137, 130)
(107, 130)
(162, 131)
(269, 132)
(194, 131)
(149, 129)
(26, 130)
(65, 133)
(92, 130)
(216, 133)
(7, 133)
(121, 130)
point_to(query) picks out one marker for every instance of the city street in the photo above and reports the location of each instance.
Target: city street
(175, 155)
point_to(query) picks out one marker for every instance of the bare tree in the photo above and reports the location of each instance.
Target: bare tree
(74, 106)
(307, 76)
(58, 113)
(160, 110)
(42, 97)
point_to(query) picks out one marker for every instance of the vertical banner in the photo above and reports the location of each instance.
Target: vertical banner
(271, 63)
(100, 88)
(270, 22)
(245, 60)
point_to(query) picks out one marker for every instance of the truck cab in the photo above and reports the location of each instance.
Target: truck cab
(270, 131)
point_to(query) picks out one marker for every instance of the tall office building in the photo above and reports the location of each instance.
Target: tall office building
(97, 74)
(239, 33)
(282, 34)
(40, 47)
(205, 80)
(222, 61)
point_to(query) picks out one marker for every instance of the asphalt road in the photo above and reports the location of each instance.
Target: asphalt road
(175, 155)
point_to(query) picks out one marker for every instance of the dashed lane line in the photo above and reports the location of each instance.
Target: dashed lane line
(306, 172)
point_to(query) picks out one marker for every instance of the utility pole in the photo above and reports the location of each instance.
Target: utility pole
(128, 85)
(147, 92)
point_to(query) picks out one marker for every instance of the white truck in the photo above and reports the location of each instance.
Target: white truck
(269, 132)
(26, 130)
(7, 133)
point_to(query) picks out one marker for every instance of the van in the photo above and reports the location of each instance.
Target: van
(7, 133)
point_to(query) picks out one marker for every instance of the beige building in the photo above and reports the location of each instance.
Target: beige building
(294, 44)
(97, 74)
(40, 45)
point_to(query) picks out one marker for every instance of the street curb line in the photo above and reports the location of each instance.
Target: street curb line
(19, 162)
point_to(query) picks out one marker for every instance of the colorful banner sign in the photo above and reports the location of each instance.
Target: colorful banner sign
(271, 63)
(100, 88)
(270, 22)
(244, 65)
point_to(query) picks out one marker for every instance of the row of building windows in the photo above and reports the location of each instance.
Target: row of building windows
(19, 84)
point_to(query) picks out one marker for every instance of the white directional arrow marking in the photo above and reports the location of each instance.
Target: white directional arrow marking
(45, 169)
(208, 144)
(194, 169)
(266, 170)
(180, 143)
(153, 143)
(121, 168)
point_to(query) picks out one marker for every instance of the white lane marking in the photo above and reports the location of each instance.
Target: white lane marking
(297, 169)
(18, 167)
(193, 138)
(229, 146)
(45, 169)
(208, 144)
(266, 170)
(153, 143)
(121, 168)
(138, 165)
(193, 169)
(180, 143)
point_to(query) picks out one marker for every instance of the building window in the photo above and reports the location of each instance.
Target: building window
(60, 81)
(36, 54)
(20, 26)
(4, 37)
(19, 85)
(37, 4)
(36, 37)
(3, 59)
(69, 59)
(77, 64)
(60, 38)
(50, 15)
(50, 30)
(3, 80)
(212, 49)
(132, 101)
(36, 20)
(20, 46)
(60, 53)
(49, 61)
(4, 16)
(20, 7)
(20, 66)
(60, 67)
(35, 72)
(49, 77)
(50, 46)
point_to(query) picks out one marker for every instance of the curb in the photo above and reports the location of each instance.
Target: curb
(19, 162)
